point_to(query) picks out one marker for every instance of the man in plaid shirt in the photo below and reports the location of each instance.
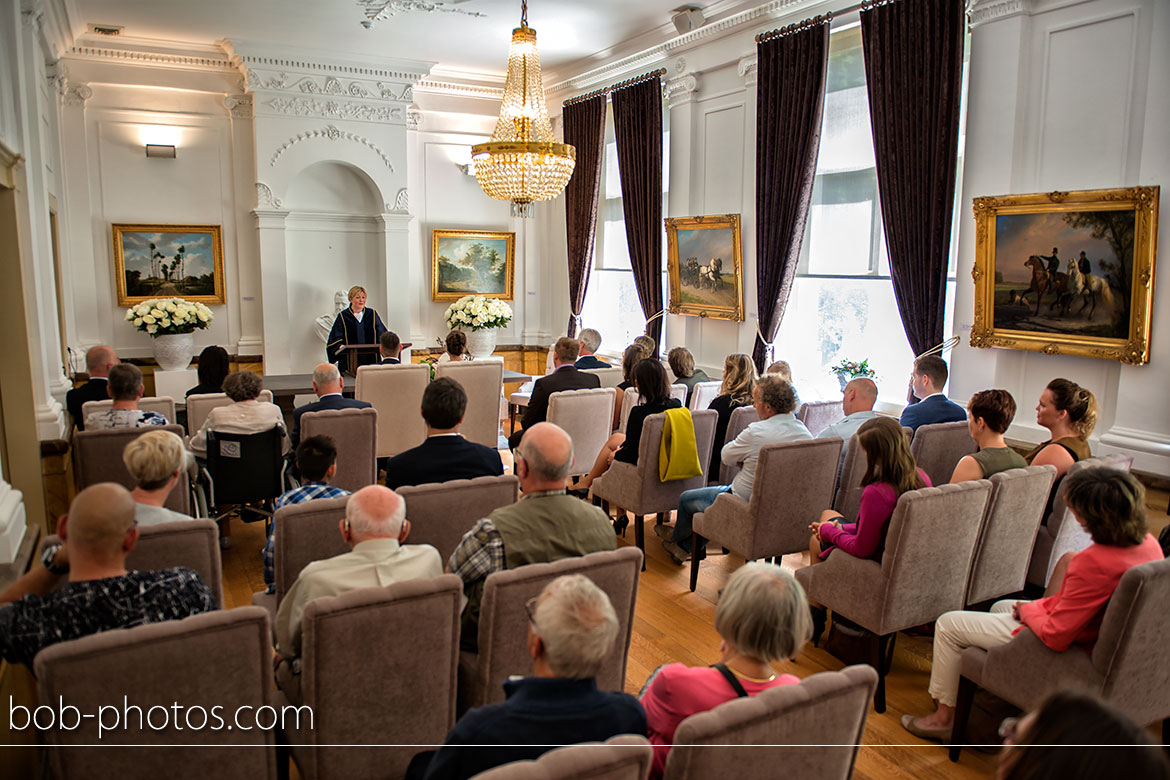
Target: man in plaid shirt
(317, 463)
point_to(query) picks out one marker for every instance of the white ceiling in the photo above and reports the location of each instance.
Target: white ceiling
(569, 32)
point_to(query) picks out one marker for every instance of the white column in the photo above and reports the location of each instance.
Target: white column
(274, 289)
(251, 340)
(396, 280)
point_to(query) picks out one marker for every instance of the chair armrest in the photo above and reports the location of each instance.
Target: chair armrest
(620, 484)
(1024, 671)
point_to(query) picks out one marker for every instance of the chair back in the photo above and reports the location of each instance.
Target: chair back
(818, 415)
(740, 419)
(793, 485)
(407, 688)
(97, 457)
(624, 757)
(939, 447)
(305, 533)
(610, 377)
(704, 393)
(1004, 548)
(163, 404)
(219, 662)
(629, 401)
(931, 536)
(503, 619)
(679, 392)
(199, 405)
(396, 391)
(650, 447)
(483, 381)
(812, 729)
(847, 500)
(440, 513)
(355, 432)
(1131, 650)
(586, 416)
(244, 468)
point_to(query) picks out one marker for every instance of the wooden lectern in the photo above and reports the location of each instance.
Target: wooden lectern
(351, 356)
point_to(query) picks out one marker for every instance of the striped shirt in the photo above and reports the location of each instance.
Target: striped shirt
(306, 492)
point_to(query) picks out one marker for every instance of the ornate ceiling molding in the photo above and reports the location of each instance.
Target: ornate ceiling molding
(328, 85)
(334, 109)
(681, 90)
(329, 133)
(143, 56)
(437, 87)
(985, 11)
(380, 10)
(266, 68)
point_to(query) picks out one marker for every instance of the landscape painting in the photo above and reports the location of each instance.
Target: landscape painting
(183, 261)
(1066, 273)
(705, 263)
(468, 262)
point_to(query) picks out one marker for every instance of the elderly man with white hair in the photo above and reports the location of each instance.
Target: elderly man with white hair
(590, 340)
(328, 385)
(571, 629)
(374, 527)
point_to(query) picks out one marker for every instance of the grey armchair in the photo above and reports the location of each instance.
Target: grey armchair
(938, 448)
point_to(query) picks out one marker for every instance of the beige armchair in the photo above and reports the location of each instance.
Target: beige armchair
(939, 447)
(396, 391)
(610, 377)
(793, 485)
(200, 405)
(704, 393)
(163, 404)
(97, 457)
(740, 419)
(304, 533)
(355, 433)
(625, 757)
(585, 416)
(847, 499)
(440, 513)
(483, 381)
(819, 415)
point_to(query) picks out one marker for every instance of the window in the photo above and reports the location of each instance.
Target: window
(842, 305)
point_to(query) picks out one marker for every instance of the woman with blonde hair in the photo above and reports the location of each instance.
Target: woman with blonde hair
(356, 324)
(154, 460)
(739, 379)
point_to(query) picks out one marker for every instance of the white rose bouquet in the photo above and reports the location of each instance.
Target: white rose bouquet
(168, 316)
(475, 312)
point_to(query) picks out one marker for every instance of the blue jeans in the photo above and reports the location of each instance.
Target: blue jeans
(691, 503)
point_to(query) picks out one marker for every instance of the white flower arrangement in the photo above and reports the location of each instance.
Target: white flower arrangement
(475, 312)
(169, 316)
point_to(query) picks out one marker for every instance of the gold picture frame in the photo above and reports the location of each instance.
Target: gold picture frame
(1091, 295)
(699, 284)
(154, 261)
(472, 262)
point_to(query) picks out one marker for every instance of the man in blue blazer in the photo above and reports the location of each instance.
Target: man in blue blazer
(590, 342)
(327, 384)
(927, 381)
(444, 455)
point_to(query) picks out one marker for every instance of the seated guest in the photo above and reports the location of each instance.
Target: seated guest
(565, 377)
(1069, 412)
(654, 398)
(155, 460)
(316, 459)
(590, 342)
(927, 381)
(327, 384)
(125, 387)
(630, 358)
(390, 347)
(775, 402)
(989, 413)
(1110, 505)
(100, 594)
(98, 362)
(374, 527)
(682, 363)
(857, 402)
(246, 415)
(213, 367)
(762, 619)
(456, 347)
(739, 382)
(1076, 736)
(545, 525)
(781, 369)
(444, 455)
(648, 344)
(571, 629)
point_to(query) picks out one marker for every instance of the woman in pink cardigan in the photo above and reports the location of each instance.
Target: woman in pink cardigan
(1110, 505)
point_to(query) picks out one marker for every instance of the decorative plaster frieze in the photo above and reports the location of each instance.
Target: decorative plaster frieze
(239, 106)
(985, 11)
(748, 69)
(437, 87)
(76, 94)
(264, 199)
(330, 133)
(681, 90)
(220, 64)
(334, 109)
(401, 201)
(267, 65)
(414, 118)
(330, 85)
(380, 10)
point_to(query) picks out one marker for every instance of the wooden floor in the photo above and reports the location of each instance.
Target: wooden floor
(673, 624)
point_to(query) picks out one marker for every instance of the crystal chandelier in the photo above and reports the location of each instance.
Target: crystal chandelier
(523, 162)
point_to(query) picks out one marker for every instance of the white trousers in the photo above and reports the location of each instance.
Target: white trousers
(956, 631)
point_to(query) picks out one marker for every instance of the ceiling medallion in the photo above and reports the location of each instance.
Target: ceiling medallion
(380, 10)
(523, 162)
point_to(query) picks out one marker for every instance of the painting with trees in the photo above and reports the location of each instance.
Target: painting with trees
(1067, 272)
(472, 262)
(152, 261)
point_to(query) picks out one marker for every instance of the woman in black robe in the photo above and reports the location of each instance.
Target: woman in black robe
(358, 324)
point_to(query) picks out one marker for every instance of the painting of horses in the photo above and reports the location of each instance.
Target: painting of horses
(705, 264)
(465, 262)
(182, 261)
(1066, 272)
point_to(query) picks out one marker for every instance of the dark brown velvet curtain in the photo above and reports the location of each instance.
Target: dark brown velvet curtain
(913, 71)
(789, 103)
(585, 130)
(637, 121)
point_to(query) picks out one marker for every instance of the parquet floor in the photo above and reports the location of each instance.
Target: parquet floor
(673, 624)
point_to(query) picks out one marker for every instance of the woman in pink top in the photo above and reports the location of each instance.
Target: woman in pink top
(1110, 505)
(762, 617)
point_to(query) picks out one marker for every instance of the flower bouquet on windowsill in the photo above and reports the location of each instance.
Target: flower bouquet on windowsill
(847, 370)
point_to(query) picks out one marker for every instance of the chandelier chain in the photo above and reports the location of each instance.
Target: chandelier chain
(523, 13)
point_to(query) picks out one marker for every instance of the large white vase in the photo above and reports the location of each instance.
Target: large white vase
(482, 343)
(173, 352)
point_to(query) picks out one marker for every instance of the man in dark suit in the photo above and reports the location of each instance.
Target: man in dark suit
(391, 347)
(98, 362)
(327, 384)
(590, 341)
(927, 381)
(565, 376)
(445, 454)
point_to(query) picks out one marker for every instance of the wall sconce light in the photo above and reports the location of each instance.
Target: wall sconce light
(160, 150)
